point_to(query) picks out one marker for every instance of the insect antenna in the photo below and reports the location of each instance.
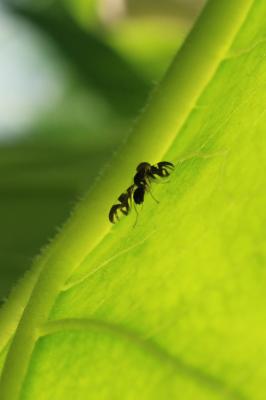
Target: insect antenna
(152, 196)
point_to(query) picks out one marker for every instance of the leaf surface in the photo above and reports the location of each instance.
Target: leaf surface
(175, 306)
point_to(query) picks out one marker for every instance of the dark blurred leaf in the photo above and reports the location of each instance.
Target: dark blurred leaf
(96, 64)
(38, 188)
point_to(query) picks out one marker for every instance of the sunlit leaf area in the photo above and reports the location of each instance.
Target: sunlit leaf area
(167, 302)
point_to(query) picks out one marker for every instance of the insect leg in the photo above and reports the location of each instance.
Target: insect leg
(137, 215)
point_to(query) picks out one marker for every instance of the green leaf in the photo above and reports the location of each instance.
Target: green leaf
(175, 306)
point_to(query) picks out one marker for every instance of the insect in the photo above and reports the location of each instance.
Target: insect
(146, 173)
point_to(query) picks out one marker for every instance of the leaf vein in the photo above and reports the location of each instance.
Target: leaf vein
(71, 284)
(148, 345)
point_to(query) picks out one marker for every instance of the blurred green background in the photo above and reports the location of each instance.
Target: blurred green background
(74, 76)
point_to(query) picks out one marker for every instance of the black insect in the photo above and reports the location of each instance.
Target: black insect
(138, 195)
(146, 173)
